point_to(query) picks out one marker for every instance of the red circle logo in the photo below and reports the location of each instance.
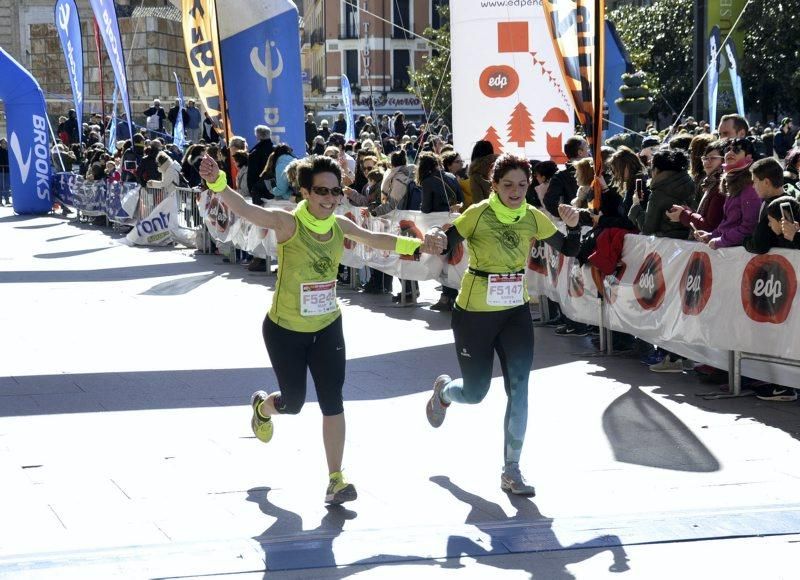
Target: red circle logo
(696, 284)
(537, 261)
(499, 81)
(769, 285)
(649, 286)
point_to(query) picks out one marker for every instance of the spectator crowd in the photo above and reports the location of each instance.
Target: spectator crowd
(733, 185)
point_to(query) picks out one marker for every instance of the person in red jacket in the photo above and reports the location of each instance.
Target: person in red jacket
(710, 209)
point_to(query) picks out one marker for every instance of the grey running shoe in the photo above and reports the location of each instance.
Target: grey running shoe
(436, 409)
(262, 428)
(512, 481)
(339, 491)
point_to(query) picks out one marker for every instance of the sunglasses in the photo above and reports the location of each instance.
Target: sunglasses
(325, 191)
(369, 168)
(732, 149)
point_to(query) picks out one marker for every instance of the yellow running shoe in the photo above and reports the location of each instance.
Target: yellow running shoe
(262, 426)
(339, 491)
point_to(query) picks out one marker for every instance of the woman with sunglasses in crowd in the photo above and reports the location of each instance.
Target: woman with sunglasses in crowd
(491, 311)
(303, 329)
(742, 204)
(710, 209)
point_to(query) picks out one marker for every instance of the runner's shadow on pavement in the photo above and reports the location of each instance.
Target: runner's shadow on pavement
(642, 431)
(287, 546)
(528, 531)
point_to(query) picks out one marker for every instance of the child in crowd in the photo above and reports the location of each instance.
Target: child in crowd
(768, 182)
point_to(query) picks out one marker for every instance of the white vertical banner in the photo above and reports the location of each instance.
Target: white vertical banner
(506, 81)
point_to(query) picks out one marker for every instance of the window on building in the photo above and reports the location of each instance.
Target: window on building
(402, 18)
(401, 60)
(350, 22)
(436, 20)
(351, 66)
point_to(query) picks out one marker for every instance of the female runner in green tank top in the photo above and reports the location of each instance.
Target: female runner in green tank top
(491, 312)
(303, 329)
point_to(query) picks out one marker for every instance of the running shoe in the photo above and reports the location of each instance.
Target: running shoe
(262, 426)
(668, 366)
(512, 481)
(436, 408)
(653, 358)
(572, 330)
(776, 393)
(339, 491)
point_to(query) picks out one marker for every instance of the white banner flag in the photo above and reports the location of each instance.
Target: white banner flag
(506, 82)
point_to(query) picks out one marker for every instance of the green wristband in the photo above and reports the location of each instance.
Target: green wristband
(220, 184)
(407, 246)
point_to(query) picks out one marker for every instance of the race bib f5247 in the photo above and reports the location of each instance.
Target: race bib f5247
(505, 290)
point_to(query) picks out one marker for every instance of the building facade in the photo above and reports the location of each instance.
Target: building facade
(151, 36)
(374, 43)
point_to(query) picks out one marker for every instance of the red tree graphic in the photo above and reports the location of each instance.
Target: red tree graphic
(520, 126)
(493, 138)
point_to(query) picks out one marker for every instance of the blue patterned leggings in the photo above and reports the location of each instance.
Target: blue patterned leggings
(478, 335)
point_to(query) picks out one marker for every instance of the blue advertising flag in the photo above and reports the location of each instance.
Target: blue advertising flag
(68, 25)
(106, 15)
(177, 131)
(347, 99)
(28, 141)
(112, 129)
(260, 46)
(736, 79)
(712, 78)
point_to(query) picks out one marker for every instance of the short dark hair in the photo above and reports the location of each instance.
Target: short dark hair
(481, 149)
(240, 157)
(448, 158)
(508, 162)
(681, 141)
(546, 169)
(768, 168)
(375, 175)
(739, 122)
(670, 160)
(314, 165)
(774, 207)
(717, 145)
(427, 163)
(741, 143)
(398, 158)
(572, 146)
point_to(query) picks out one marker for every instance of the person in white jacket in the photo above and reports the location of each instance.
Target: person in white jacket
(170, 174)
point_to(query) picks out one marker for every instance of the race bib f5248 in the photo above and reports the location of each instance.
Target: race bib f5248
(317, 298)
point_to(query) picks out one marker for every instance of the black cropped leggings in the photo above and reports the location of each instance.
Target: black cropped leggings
(293, 353)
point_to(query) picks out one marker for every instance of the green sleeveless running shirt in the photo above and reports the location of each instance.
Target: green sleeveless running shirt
(304, 298)
(497, 248)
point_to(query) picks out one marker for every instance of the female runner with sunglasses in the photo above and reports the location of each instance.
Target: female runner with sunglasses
(303, 329)
(491, 312)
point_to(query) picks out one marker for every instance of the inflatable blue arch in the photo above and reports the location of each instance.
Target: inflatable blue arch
(28, 138)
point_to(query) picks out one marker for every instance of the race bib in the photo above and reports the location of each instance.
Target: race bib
(317, 298)
(505, 290)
